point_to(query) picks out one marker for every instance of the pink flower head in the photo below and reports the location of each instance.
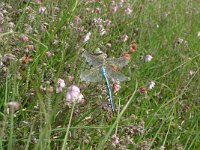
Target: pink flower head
(38, 1)
(13, 106)
(42, 9)
(108, 22)
(124, 38)
(71, 78)
(115, 140)
(86, 37)
(98, 10)
(128, 10)
(77, 20)
(116, 87)
(48, 54)
(74, 94)
(60, 86)
(114, 8)
(81, 29)
(121, 3)
(24, 38)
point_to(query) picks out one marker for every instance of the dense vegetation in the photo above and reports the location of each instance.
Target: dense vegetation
(41, 43)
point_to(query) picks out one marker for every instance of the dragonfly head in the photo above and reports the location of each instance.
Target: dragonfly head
(100, 53)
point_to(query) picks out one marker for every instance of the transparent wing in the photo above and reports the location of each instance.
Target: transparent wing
(120, 62)
(91, 59)
(116, 75)
(91, 75)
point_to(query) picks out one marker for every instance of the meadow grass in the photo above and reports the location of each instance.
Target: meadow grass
(163, 117)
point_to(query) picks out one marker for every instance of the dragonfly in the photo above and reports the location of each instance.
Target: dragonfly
(104, 68)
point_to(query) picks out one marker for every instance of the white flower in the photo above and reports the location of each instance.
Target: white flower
(180, 41)
(1, 18)
(198, 34)
(151, 85)
(148, 58)
(60, 86)
(102, 30)
(87, 37)
(191, 73)
(11, 25)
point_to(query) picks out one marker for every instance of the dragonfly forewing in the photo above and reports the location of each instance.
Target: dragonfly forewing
(92, 60)
(91, 75)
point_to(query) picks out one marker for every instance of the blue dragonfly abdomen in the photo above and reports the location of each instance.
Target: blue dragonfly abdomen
(104, 74)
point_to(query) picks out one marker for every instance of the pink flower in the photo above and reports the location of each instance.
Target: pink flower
(115, 140)
(74, 94)
(98, 10)
(108, 22)
(13, 106)
(77, 20)
(71, 78)
(61, 85)
(24, 38)
(121, 3)
(124, 38)
(86, 37)
(81, 29)
(38, 1)
(114, 7)
(128, 10)
(116, 87)
(42, 9)
(48, 54)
